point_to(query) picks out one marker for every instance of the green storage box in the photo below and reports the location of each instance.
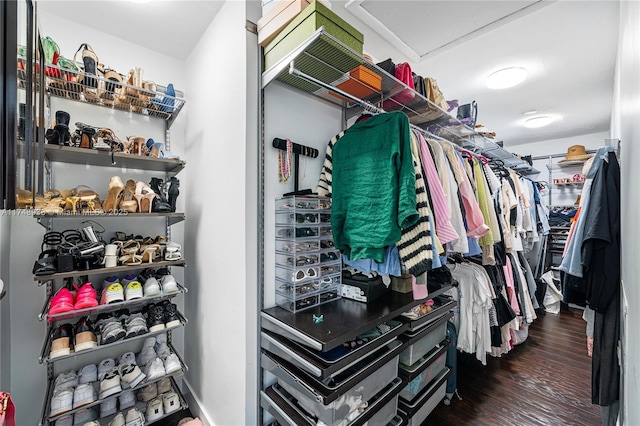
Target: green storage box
(304, 25)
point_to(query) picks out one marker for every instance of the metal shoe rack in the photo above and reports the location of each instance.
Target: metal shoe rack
(40, 156)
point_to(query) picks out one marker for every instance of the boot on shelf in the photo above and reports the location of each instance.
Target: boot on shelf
(173, 192)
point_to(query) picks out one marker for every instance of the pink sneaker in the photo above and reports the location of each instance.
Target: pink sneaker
(61, 302)
(86, 297)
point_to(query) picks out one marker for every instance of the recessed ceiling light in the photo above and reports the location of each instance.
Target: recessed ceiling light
(140, 1)
(541, 121)
(507, 77)
(530, 112)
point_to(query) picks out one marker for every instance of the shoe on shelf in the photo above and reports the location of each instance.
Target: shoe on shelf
(86, 297)
(155, 318)
(129, 278)
(173, 251)
(61, 302)
(61, 341)
(127, 358)
(128, 202)
(171, 402)
(88, 374)
(134, 418)
(133, 290)
(131, 375)
(61, 402)
(109, 407)
(164, 385)
(155, 369)
(162, 349)
(86, 416)
(172, 364)
(147, 393)
(154, 410)
(144, 196)
(111, 279)
(105, 366)
(65, 421)
(110, 384)
(171, 318)
(84, 394)
(91, 423)
(152, 288)
(113, 293)
(116, 186)
(150, 252)
(118, 420)
(155, 149)
(173, 192)
(148, 351)
(85, 337)
(111, 329)
(190, 421)
(169, 284)
(65, 380)
(127, 399)
(136, 325)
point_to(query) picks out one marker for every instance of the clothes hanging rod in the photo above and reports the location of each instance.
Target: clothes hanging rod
(546, 157)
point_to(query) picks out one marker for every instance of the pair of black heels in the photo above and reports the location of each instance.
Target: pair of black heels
(165, 202)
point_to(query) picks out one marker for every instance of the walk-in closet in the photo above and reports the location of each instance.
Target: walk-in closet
(319, 212)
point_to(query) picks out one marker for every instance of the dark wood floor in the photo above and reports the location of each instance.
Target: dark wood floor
(544, 381)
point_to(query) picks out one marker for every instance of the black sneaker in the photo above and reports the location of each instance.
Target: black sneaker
(171, 318)
(61, 341)
(155, 318)
(85, 336)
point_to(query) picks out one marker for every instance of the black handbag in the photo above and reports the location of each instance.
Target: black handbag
(388, 66)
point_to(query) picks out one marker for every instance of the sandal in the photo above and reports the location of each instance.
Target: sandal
(134, 80)
(137, 145)
(172, 251)
(111, 88)
(129, 247)
(128, 203)
(46, 263)
(149, 253)
(131, 259)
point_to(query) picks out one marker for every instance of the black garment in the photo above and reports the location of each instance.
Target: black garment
(452, 358)
(605, 371)
(601, 243)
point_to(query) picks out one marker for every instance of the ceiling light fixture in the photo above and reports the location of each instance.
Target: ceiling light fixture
(541, 121)
(530, 112)
(507, 77)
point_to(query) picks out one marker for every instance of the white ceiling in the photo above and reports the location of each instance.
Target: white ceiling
(165, 26)
(568, 47)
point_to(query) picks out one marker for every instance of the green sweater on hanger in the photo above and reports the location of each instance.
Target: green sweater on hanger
(373, 186)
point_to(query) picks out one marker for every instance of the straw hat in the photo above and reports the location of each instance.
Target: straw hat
(576, 153)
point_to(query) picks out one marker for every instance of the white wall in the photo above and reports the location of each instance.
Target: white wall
(626, 127)
(27, 377)
(563, 195)
(216, 233)
(5, 308)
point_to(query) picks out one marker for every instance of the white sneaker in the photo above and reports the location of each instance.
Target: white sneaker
(85, 416)
(108, 407)
(127, 399)
(172, 364)
(118, 420)
(131, 375)
(151, 287)
(162, 349)
(88, 374)
(164, 385)
(134, 418)
(65, 380)
(105, 366)
(169, 284)
(61, 402)
(136, 325)
(129, 278)
(171, 402)
(110, 384)
(110, 280)
(83, 395)
(127, 358)
(154, 410)
(112, 293)
(148, 392)
(148, 352)
(155, 369)
(133, 290)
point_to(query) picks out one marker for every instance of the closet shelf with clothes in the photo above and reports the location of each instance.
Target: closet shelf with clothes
(322, 63)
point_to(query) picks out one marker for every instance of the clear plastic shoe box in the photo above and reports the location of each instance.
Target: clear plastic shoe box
(308, 267)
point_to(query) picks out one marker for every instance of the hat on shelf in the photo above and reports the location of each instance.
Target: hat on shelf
(576, 153)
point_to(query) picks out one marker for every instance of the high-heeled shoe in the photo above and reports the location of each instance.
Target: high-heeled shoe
(173, 192)
(137, 145)
(144, 195)
(155, 148)
(90, 60)
(128, 203)
(157, 185)
(115, 82)
(134, 80)
(116, 186)
(149, 253)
